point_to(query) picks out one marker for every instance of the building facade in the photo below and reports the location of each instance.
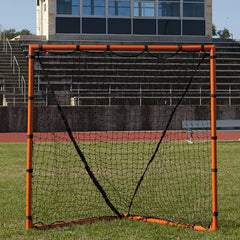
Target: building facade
(124, 19)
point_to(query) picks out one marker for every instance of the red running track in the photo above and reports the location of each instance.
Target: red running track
(116, 136)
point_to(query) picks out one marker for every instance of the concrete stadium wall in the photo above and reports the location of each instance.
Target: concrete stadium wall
(113, 118)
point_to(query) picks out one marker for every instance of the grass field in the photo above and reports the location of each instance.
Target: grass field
(12, 205)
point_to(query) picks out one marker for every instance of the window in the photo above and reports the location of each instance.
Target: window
(194, 27)
(94, 7)
(119, 25)
(169, 27)
(144, 26)
(67, 25)
(68, 7)
(119, 8)
(169, 8)
(193, 8)
(144, 9)
(94, 25)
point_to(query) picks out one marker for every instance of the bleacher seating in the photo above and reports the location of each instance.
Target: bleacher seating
(129, 89)
(117, 80)
(13, 74)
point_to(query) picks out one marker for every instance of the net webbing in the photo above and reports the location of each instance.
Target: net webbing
(122, 149)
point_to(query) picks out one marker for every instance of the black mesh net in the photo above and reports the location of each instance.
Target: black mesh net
(113, 135)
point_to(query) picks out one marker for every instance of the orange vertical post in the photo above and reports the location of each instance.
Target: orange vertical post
(29, 137)
(213, 137)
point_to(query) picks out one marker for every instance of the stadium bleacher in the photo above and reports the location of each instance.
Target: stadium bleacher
(98, 75)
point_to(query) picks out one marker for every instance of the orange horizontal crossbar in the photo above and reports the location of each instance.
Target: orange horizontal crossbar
(120, 47)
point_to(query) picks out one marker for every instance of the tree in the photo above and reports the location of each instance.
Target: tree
(1, 33)
(11, 33)
(214, 30)
(224, 34)
(25, 32)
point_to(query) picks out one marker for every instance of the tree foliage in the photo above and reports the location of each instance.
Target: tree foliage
(214, 30)
(222, 34)
(12, 33)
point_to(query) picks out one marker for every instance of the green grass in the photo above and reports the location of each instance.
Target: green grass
(12, 205)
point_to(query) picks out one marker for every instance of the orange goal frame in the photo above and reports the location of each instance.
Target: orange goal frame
(196, 48)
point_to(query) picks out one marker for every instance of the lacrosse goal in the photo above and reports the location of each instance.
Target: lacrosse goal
(120, 151)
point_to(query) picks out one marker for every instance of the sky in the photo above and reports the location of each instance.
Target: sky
(226, 15)
(21, 14)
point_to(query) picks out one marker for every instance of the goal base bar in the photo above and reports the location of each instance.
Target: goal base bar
(134, 217)
(82, 221)
(165, 222)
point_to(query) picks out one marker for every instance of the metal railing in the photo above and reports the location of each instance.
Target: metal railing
(110, 91)
(23, 88)
(7, 45)
(15, 63)
(8, 50)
